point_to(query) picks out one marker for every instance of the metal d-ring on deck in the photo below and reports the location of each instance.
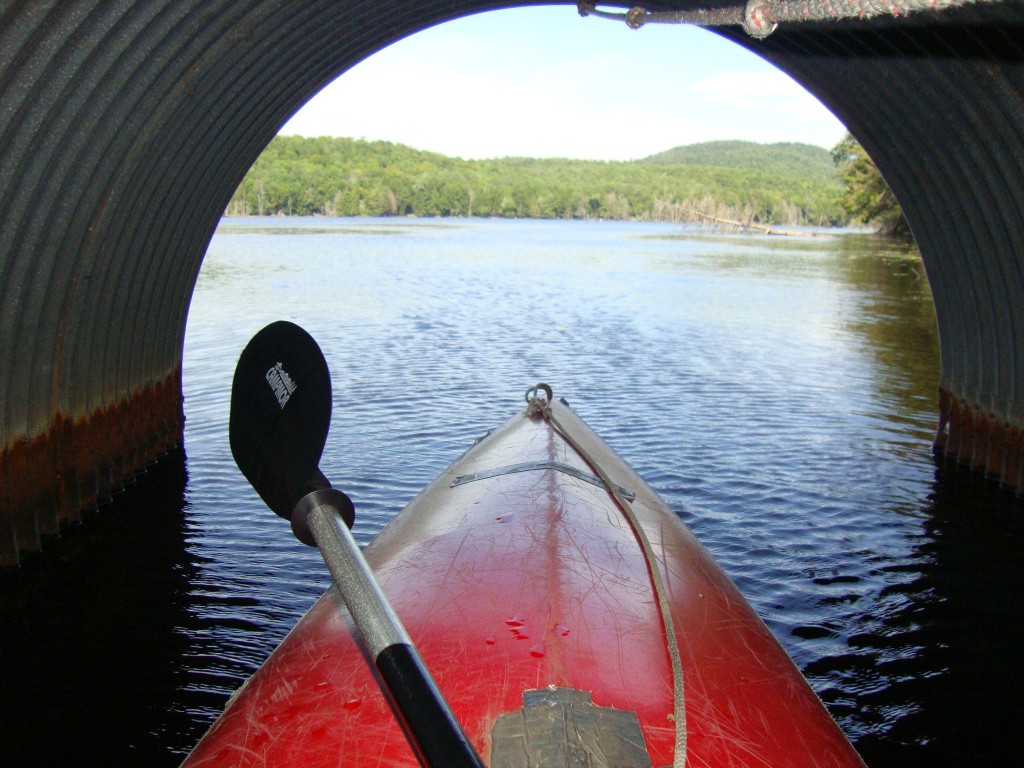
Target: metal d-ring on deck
(531, 466)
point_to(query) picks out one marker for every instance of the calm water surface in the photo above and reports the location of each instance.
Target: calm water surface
(780, 393)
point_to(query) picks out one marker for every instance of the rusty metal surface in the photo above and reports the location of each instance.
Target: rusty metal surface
(125, 127)
(980, 440)
(78, 464)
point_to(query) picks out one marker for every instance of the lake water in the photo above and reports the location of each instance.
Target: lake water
(779, 392)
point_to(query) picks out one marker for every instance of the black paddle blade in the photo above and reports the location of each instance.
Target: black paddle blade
(280, 415)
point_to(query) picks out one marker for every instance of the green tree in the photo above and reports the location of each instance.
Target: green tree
(866, 196)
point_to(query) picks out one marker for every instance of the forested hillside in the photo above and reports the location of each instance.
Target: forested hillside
(347, 177)
(783, 159)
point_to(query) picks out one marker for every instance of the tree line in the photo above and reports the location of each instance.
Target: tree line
(768, 184)
(784, 183)
(866, 196)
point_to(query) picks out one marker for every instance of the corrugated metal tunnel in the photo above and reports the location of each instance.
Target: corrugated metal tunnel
(126, 126)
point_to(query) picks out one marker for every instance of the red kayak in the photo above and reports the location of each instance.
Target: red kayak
(567, 615)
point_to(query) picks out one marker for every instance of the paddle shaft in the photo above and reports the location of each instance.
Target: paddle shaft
(432, 730)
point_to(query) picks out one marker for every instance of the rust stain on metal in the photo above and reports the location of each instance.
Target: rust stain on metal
(78, 464)
(1015, 459)
(28, 488)
(980, 440)
(997, 448)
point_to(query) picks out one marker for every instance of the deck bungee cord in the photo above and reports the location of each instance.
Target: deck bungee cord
(538, 403)
(759, 18)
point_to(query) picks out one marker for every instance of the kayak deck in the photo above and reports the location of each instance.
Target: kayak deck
(516, 571)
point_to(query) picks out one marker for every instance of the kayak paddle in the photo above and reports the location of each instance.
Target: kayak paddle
(280, 415)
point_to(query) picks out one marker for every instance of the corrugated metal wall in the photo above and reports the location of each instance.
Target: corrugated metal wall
(126, 125)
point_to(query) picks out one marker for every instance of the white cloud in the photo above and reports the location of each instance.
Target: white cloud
(539, 83)
(767, 96)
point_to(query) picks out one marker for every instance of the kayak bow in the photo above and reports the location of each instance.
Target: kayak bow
(527, 591)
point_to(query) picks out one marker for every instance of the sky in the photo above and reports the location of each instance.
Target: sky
(544, 82)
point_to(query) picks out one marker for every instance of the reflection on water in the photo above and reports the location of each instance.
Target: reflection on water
(92, 640)
(315, 227)
(779, 392)
(937, 675)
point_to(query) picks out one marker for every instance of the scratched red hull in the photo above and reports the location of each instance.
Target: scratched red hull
(525, 580)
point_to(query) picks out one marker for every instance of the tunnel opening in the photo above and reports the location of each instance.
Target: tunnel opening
(417, 308)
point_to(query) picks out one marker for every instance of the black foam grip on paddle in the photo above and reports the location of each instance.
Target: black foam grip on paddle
(428, 721)
(280, 415)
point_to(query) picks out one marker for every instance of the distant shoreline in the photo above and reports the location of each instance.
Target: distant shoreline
(321, 224)
(754, 184)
